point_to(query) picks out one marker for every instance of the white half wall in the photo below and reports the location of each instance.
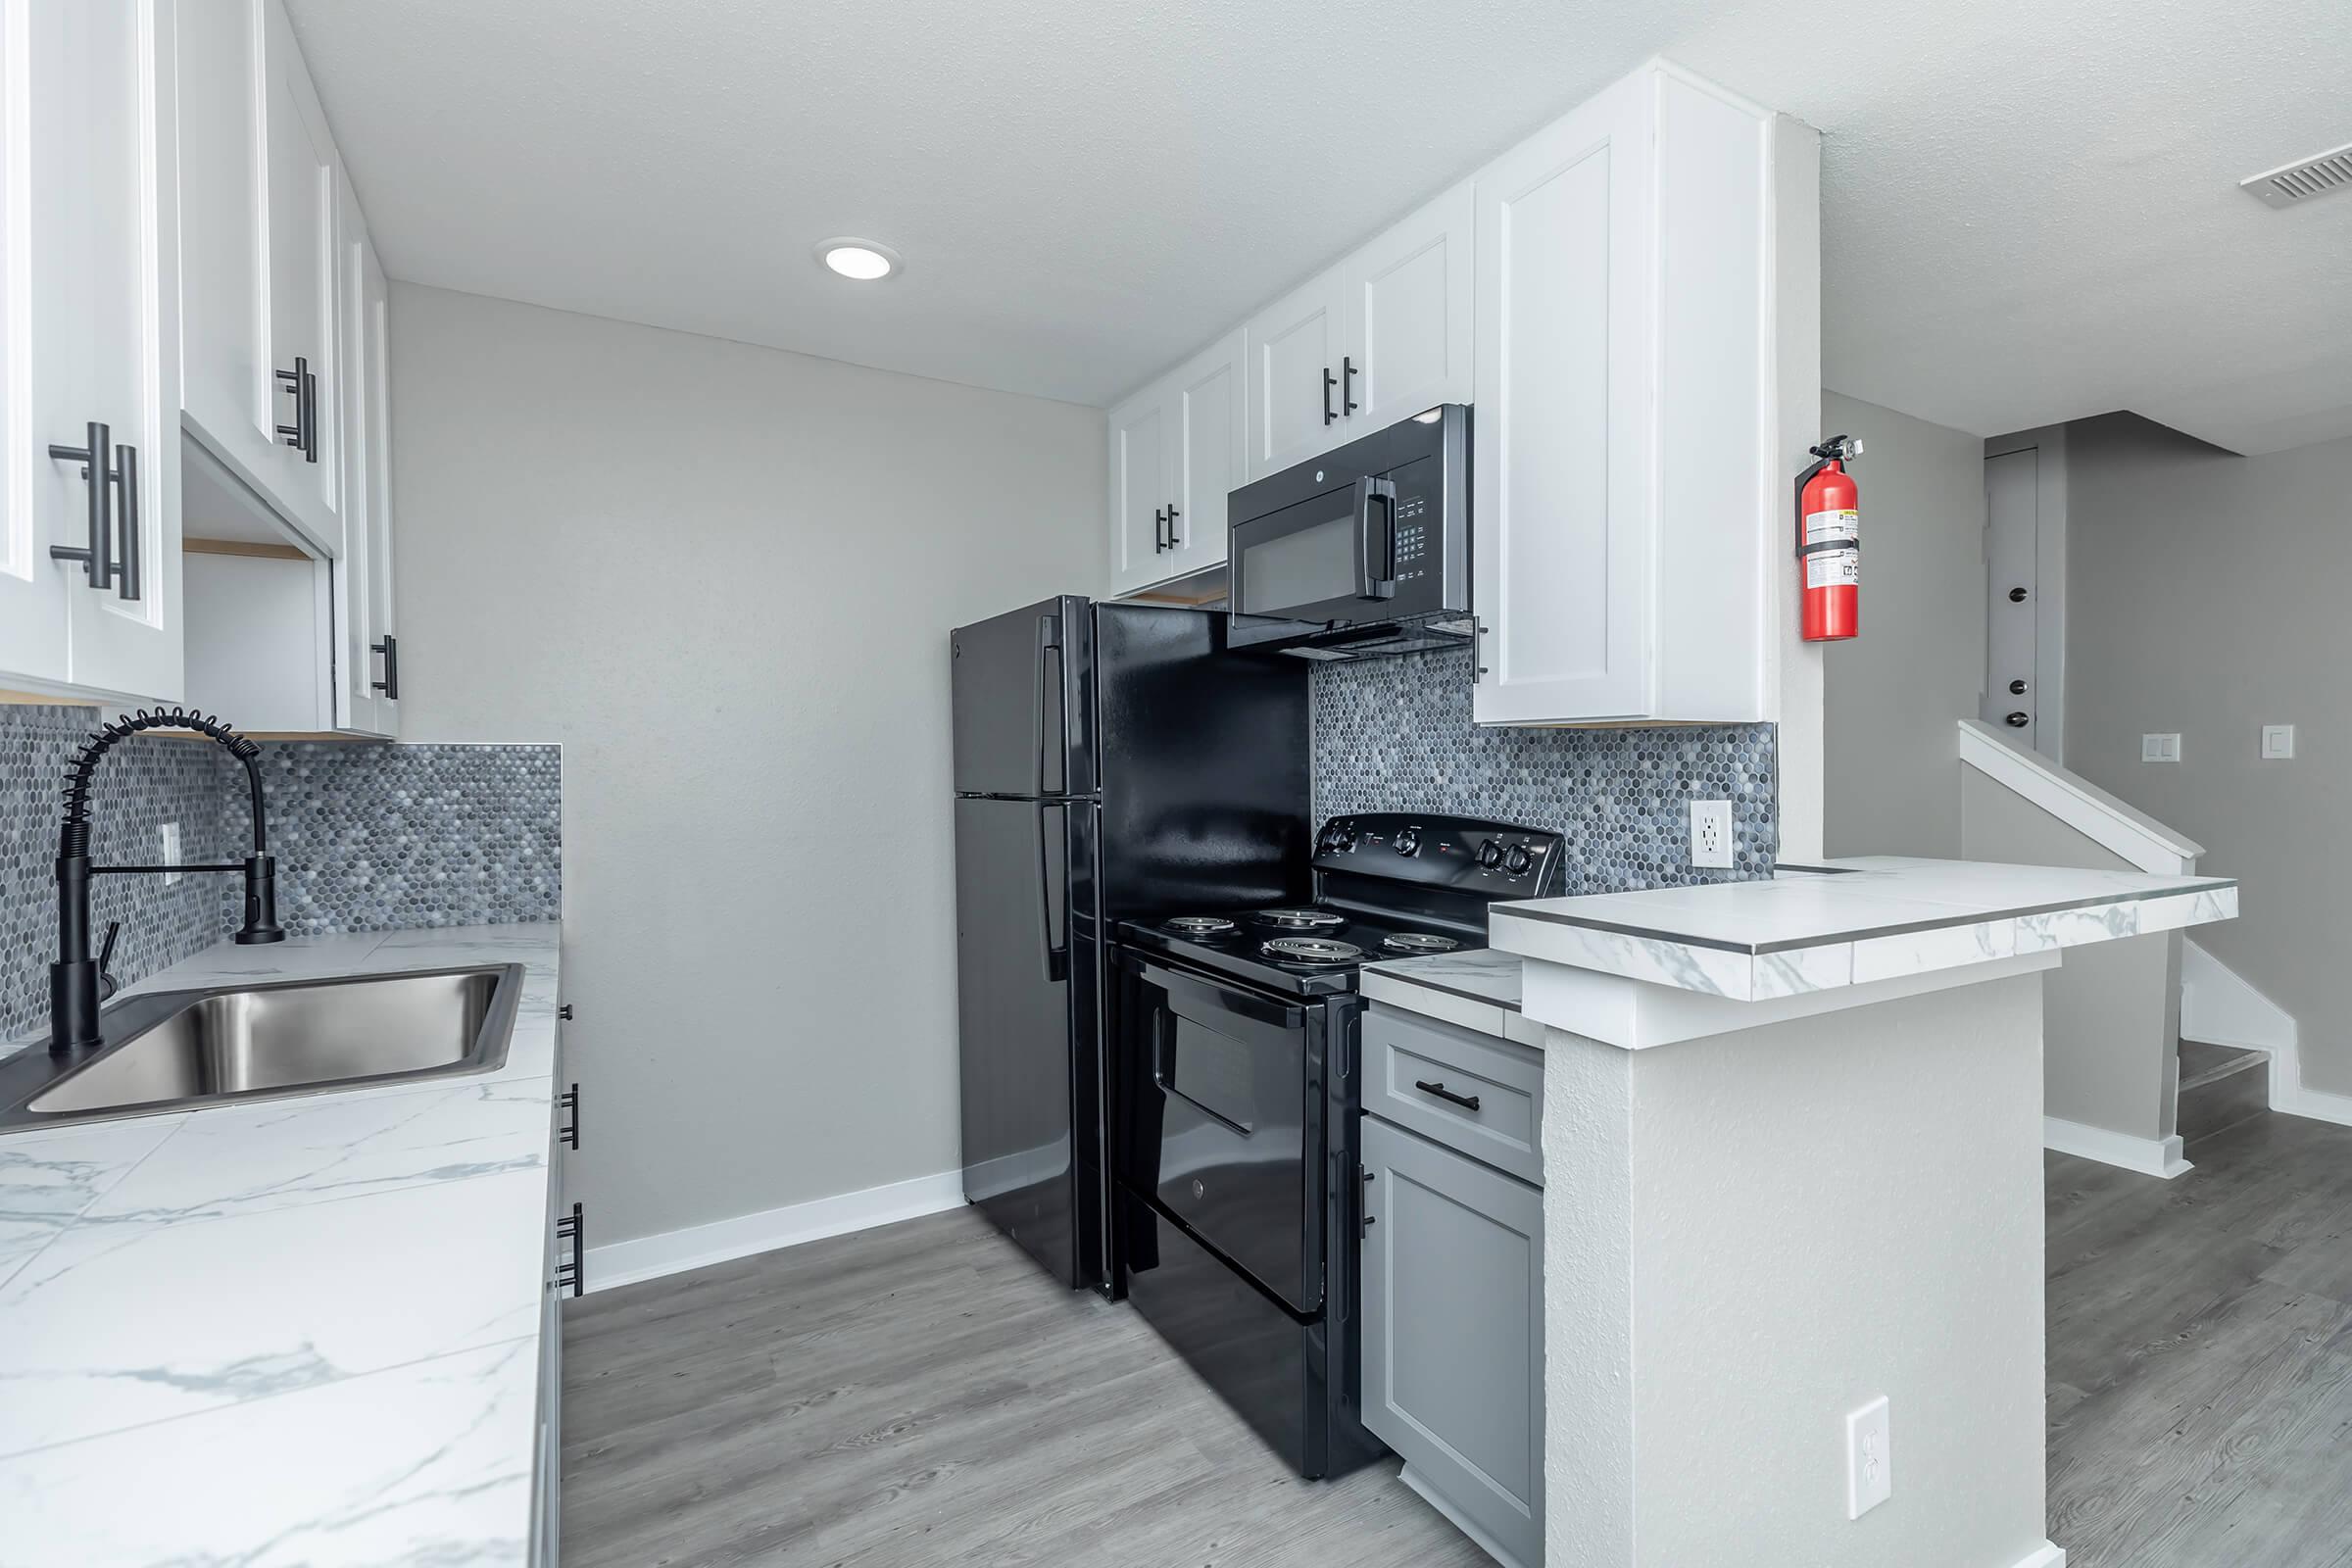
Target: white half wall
(722, 577)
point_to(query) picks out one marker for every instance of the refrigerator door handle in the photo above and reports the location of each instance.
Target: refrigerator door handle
(1050, 739)
(1058, 950)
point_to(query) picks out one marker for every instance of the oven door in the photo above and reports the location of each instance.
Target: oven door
(1224, 1121)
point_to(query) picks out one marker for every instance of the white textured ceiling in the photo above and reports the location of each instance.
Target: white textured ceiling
(2030, 209)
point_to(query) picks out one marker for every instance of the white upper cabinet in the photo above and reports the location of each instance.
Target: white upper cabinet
(368, 703)
(1628, 502)
(1295, 347)
(261, 183)
(1175, 453)
(90, 342)
(1410, 339)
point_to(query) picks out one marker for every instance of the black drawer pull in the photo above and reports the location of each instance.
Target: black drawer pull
(571, 1274)
(1466, 1101)
(570, 1132)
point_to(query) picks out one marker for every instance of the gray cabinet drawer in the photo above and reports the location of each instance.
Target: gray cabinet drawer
(1419, 1072)
(1453, 1334)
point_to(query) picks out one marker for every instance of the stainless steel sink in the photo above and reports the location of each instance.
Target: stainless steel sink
(172, 1050)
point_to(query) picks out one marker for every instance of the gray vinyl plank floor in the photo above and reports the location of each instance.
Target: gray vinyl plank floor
(920, 1395)
(2200, 1354)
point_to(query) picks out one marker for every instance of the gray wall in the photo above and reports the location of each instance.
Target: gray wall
(2208, 595)
(722, 578)
(2110, 1014)
(1894, 695)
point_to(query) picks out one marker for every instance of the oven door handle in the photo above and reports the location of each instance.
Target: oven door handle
(1375, 556)
(1202, 997)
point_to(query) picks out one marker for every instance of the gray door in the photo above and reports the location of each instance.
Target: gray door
(1454, 1331)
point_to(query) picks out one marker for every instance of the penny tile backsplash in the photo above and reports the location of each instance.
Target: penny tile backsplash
(1395, 734)
(368, 837)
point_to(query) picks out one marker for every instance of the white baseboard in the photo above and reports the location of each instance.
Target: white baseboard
(721, 1240)
(2290, 1096)
(2150, 1156)
(2045, 1556)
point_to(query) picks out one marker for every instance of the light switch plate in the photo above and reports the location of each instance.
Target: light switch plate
(2160, 748)
(2277, 743)
(170, 835)
(1711, 835)
(1869, 1459)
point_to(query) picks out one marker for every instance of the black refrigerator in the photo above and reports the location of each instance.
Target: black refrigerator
(1110, 762)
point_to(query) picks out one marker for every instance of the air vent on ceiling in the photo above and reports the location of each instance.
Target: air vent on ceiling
(2297, 182)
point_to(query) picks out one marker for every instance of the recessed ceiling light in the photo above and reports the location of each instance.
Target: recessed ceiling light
(864, 259)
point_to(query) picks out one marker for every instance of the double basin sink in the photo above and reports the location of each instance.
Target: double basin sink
(178, 1049)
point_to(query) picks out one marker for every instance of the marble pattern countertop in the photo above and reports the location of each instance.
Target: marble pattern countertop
(1477, 988)
(299, 1331)
(1850, 923)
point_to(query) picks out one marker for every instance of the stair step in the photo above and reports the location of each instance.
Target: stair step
(2221, 1087)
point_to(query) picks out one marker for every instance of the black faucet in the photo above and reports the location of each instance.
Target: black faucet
(75, 979)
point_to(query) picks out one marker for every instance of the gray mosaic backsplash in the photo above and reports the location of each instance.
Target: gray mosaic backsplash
(1396, 734)
(368, 837)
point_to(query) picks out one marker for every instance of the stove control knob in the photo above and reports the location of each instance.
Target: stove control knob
(1518, 860)
(1408, 841)
(1490, 853)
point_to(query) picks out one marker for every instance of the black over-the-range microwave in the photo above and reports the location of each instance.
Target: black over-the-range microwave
(1364, 549)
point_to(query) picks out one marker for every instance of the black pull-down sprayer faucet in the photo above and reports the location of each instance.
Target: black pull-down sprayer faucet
(74, 978)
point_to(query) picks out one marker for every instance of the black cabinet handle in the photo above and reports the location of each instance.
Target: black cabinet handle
(96, 456)
(1159, 529)
(127, 480)
(1466, 1101)
(1329, 381)
(1172, 515)
(302, 434)
(1363, 1198)
(1347, 404)
(569, 1133)
(390, 684)
(564, 1012)
(573, 1273)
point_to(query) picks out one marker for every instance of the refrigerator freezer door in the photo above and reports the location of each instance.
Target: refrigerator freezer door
(1023, 702)
(1029, 965)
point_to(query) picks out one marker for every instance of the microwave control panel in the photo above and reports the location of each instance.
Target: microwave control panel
(1412, 536)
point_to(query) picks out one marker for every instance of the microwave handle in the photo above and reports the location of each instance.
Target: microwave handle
(1375, 555)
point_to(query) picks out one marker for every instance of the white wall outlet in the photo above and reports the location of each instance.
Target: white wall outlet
(2277, 743)
(1711, 835)
(2160, 748)
(171, 851)
(1869, 1459)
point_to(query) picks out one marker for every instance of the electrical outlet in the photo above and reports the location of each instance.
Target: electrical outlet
(2160, 748)
(171, 851)
(1711, 835)
(1869, 1459)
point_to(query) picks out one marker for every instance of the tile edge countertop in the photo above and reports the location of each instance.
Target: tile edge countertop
(303, 1330)
(1850, 923)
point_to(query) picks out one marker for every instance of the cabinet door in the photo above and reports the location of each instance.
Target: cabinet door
(92, 279)
(1562, 510)
(1454, 1331)
(1206, 453)
(1293, 350)
(366, 701)
(300, 216)
(1409, 305)
(1140, 489)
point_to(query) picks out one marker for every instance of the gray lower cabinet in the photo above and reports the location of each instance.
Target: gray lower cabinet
(562, 1263)
(1453, 1334)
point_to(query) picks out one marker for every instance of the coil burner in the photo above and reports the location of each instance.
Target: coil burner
(1312, 949)
(1417, 942)
(1300, 919)
(1199, 926)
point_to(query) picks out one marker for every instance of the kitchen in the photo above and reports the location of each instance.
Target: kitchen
(1292, 853)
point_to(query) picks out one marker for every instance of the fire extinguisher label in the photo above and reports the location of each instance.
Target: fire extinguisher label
(1834, 568)
(1826, 527)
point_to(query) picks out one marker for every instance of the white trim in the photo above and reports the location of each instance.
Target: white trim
(2045, 1556)
(2150, 1156)
(648, 1258)
(2081, 804)
(2218, 1008)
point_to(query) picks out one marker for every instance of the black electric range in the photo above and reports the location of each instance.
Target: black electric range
(1237, 1091)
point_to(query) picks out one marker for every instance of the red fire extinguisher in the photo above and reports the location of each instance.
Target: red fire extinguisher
(1829, 542)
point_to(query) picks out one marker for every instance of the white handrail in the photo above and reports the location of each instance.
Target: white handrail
(2077, 802)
